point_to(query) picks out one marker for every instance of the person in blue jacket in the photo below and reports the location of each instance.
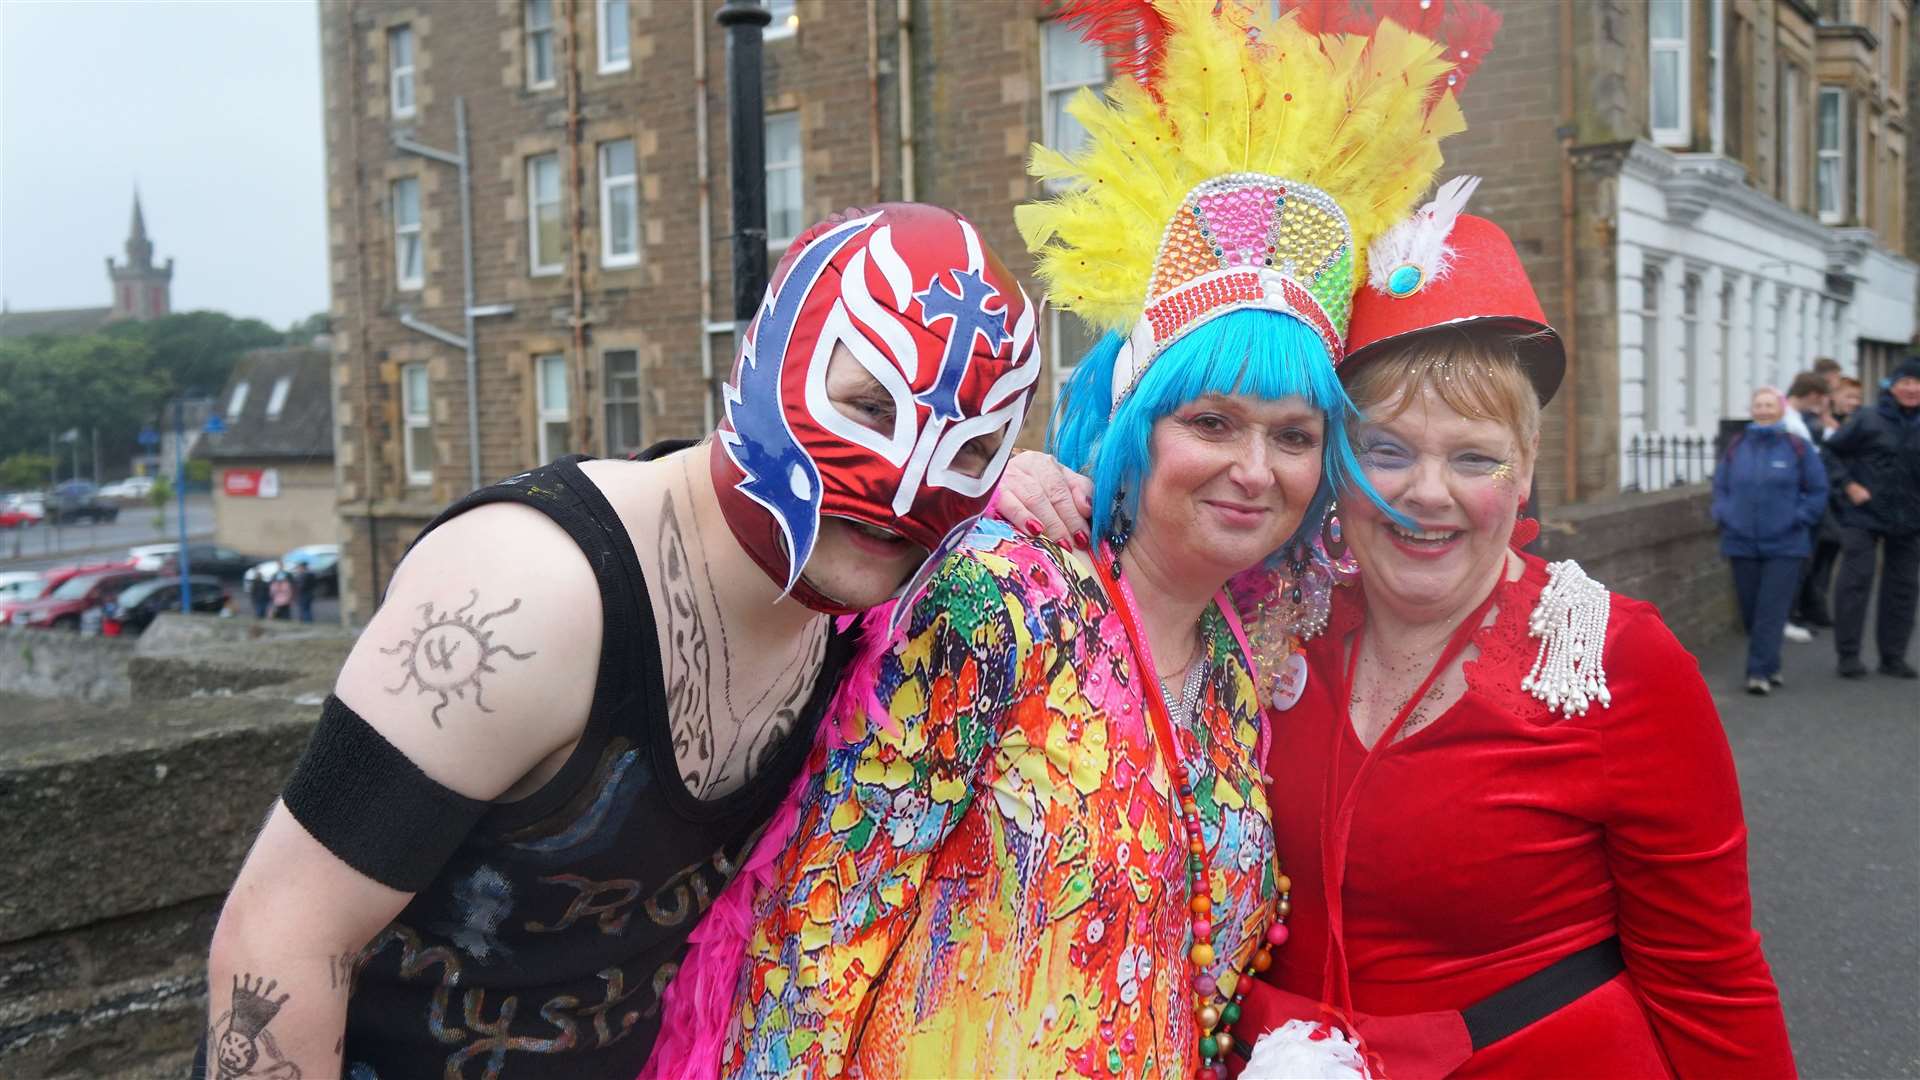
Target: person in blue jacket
(1768, 495)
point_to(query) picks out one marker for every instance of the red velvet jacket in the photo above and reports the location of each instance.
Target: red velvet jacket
(1501, 837)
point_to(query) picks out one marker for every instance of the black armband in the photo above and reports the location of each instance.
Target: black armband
(361, 798)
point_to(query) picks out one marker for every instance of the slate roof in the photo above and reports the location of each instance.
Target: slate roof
(79, 320)
(304, 428)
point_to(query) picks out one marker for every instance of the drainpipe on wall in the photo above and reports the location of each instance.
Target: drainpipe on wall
(369, 476)
(1569, 263)
(873, 99)
(903, 11)
(581, 420)
(705, 174)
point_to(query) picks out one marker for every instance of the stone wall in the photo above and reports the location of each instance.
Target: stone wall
(125, 824)
(1657, 546)
(48, 663)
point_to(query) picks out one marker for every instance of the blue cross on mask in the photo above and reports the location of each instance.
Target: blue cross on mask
(972, 318)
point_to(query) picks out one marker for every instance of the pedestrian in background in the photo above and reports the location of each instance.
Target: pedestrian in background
(1829, 371)
(1844, 402)
(1768, 494)
(303, 584)
(280, 593)
(1876, 470)
(1807, 406)
(257, 591)
(1807, 416)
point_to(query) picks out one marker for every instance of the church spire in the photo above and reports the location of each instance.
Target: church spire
(139, 248)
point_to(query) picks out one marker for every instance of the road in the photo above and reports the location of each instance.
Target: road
(43, 546)
(1830, 771)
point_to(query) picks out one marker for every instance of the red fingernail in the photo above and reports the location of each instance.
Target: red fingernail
(1033, 526)
(1080, 541)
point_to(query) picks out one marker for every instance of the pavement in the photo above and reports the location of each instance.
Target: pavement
(1830, 773)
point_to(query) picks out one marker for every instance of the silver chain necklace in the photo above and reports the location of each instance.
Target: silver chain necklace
(1181, 711)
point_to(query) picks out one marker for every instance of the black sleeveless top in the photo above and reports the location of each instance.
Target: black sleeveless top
(543, 946)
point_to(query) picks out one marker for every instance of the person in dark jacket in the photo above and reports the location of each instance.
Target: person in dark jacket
(1808, 401)
(1875, 460)
(1768, 495)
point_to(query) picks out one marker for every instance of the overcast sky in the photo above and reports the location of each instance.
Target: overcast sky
(212, 108)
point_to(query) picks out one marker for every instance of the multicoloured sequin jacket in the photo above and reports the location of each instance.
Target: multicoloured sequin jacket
(991, 883)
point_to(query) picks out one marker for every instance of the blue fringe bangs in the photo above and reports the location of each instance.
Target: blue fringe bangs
(1261, 354)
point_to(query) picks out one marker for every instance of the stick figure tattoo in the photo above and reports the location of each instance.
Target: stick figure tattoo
(448, 652)
(239, 1047)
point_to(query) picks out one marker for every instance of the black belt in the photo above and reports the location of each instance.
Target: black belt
(1542, 993)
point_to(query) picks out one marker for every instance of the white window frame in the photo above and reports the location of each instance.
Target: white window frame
(536, 268)
(602, 12)
(407, 234)
(1791, 165)
(1680, 134)
(1050, 87)
(786, 20)
(1862, 165)
(401, 89)
(237, 401)
(1830, 186)
(1691, 285)
(796, 165)
(610, 185)
(416, 414)
(277, 400)
(613, 398)
(539, 37)
(548, 412)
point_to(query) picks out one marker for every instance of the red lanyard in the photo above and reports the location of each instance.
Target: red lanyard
(1337, 825)
(1159, 722)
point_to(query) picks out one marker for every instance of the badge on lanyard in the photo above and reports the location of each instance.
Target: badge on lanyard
(1291, 682)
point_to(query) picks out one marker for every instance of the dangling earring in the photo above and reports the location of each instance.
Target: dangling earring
(1119, 527)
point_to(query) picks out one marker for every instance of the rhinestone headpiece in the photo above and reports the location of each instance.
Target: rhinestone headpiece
(1245, 240)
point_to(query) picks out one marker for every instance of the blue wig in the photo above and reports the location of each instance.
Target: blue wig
(1262, 354)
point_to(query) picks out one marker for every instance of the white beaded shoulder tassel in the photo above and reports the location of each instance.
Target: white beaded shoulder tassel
(1571, 622)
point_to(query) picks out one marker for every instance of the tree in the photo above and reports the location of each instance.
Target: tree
(90, 383)
(304, 331)
(24, 471)
(195, 351)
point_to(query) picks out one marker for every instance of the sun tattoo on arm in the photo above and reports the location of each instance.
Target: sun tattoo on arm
(449, 652)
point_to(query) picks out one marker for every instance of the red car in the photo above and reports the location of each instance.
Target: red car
(49, 581)
(20, 515)
(62, 608)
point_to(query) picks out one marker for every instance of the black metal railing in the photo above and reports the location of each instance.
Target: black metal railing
(1656, 462)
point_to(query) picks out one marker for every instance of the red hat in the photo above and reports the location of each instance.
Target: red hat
(1479, 282)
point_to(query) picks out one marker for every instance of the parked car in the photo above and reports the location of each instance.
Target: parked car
(211, 559)
(62, 608)
(78, 500)
(21, 585)
(135, 608)
(49, 581)
(150, 556)
(21, 511)
(133, 488)
(323, 562)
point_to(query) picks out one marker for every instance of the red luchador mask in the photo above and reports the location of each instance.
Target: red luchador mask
(915, 297)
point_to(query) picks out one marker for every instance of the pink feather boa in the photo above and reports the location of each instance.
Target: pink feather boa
(699, 1001)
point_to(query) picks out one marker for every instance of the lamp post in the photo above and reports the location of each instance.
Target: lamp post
(214, 426)
(745, 21)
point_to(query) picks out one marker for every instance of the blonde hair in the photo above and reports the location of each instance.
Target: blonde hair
(1477, 374)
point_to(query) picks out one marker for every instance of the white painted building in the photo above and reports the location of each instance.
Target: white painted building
(1723, 289)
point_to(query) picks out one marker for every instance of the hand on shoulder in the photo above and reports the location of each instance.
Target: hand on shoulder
(481, 662)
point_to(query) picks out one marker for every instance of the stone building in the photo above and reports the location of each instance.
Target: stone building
(273, 484)
(141, 290)
(1670, 171)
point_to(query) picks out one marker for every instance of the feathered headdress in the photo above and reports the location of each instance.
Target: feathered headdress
(1264, 154)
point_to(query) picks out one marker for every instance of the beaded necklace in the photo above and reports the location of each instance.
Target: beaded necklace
(1214, 1013)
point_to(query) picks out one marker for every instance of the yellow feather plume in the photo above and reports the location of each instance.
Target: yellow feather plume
(1345, 113)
